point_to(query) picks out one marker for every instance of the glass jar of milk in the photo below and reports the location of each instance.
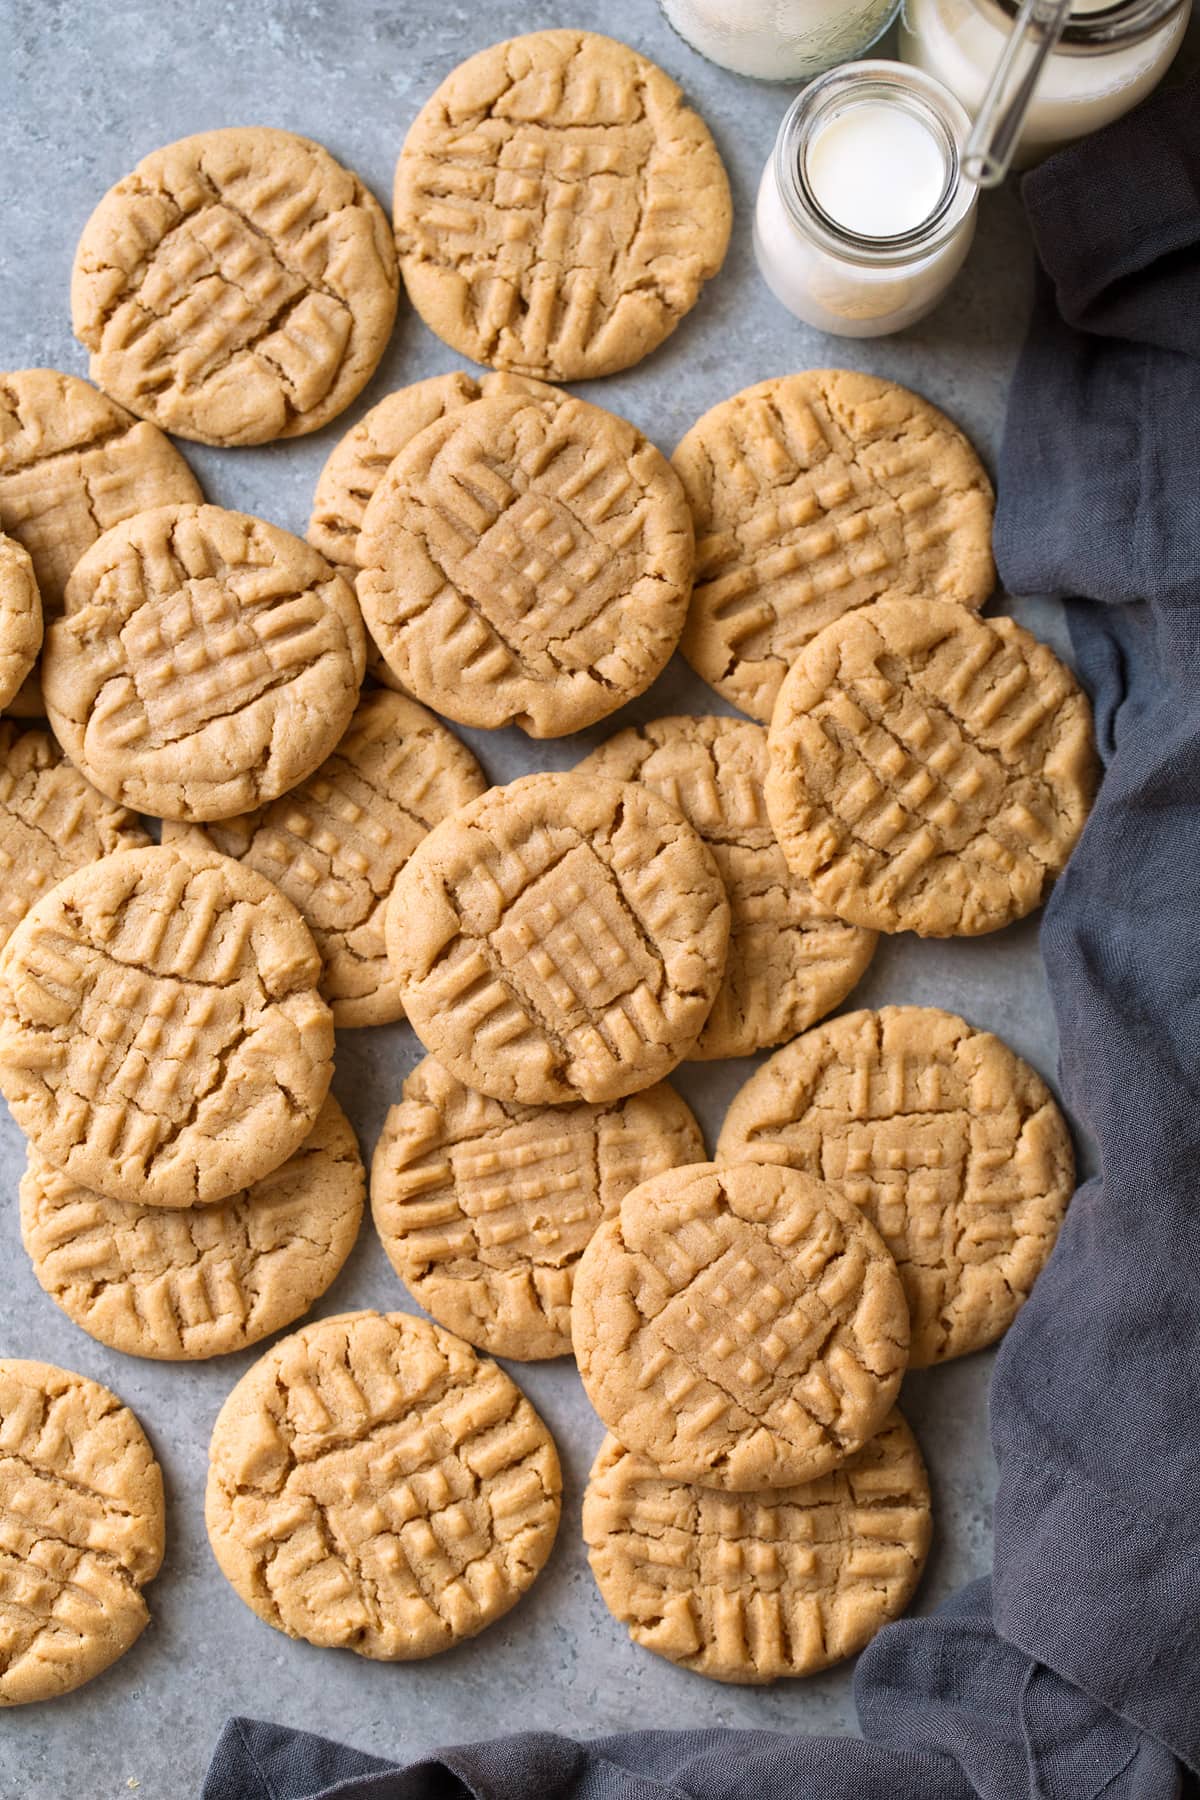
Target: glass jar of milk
(863, 216)
(780, 40)
(1111, 54)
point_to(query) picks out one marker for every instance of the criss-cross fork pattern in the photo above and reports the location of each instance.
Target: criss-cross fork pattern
(536, 537)
(790, 960)
(341, 836)
(410, 1492)
(198, 1280)
(335, 844)
(800, 522)
(142, 1040)
(232, 273)
(799, 562)
(51, 821)
(74, 1548)
(945, 765)
(73, 463)
(567, 959)
(151, 1001)
(485, 1207)
(752, 1587)
(952, 1147)
(751, 1326)
(568, 193)
(211, 618)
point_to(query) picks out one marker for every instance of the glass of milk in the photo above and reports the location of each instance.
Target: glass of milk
(1110, 55)
(780, 40)
(863, 217)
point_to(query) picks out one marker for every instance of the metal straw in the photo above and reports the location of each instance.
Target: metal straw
(989, 149)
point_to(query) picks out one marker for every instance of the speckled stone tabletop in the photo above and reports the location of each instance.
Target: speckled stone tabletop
(85, 91)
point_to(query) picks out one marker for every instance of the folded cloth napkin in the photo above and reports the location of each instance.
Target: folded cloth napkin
(1075, 1671)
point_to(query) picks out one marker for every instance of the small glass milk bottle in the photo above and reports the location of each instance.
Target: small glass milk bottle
(863, 216)
(1110, 55)
(780, 40)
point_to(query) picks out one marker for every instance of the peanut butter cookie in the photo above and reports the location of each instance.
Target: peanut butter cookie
(375, 1486)
(558, 208)
(559, 939)
(182, 1283)
(238, 286)
(814, 494)
(20, 617)
(485, 1208)
(81, 1530)
(526, 560)
(929, 771)
(742, 1327)
(206, 662)
(335, 844)
(951, 1145)
(52, 821)
(161, 1034)
(752, 1587)
(73, 463)
(790, 960)
(357, 463)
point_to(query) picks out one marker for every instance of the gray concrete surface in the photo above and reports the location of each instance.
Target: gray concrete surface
(85, 91)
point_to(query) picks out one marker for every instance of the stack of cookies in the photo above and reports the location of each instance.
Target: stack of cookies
(760, 1507)
(489, 549)
(190, 1185)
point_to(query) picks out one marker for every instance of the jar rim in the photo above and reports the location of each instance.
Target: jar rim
(1117, 26)
(921, 95)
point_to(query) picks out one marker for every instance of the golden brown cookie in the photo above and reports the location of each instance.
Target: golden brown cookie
(559, 939)
(182, 1283)
(526, 560)
(357, 463)
(51, 822)
(238, 286)
(206, 662)
(485, 1208)
(742, 1326)
(558, 208)
(335, 844)
(929, 771)
(752, 1587)
(20, 617)
(161, 1034)
(790, 960)
(81, 1530)
(951, 1145)
(375, 1486)
(812, 495)
(72, 464)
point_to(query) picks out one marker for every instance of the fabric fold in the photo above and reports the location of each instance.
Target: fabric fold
(1114, 223)
(1096, 1394)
